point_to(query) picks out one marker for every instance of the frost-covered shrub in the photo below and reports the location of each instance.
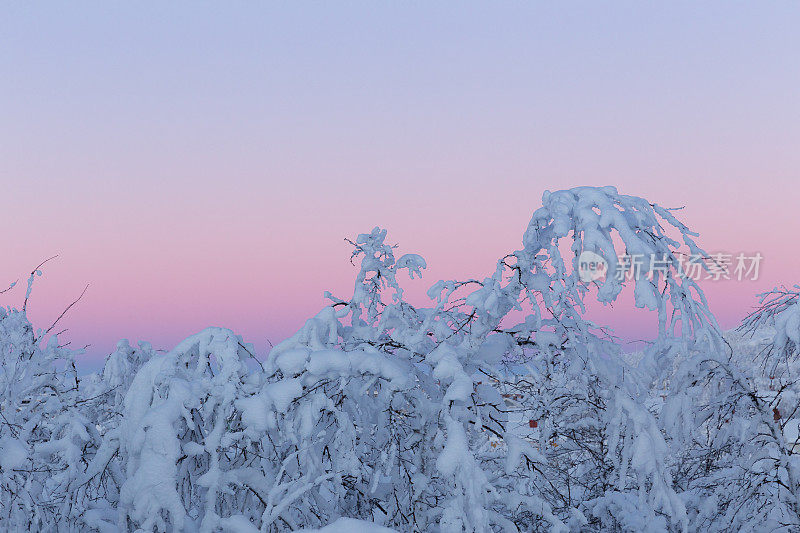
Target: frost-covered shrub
(181, 443)
(46, 439)
(498, 407)
(601, 459)
(752, 483)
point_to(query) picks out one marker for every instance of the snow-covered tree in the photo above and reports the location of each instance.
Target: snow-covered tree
(46, 439)
(750, 478)
(601, 459)
(497, 406)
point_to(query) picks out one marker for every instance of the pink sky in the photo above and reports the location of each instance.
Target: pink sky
(203, 168)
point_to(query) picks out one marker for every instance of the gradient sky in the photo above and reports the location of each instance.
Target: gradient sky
(200, 164)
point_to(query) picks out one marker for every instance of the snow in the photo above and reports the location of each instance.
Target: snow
(282, 393)
(349, 525)
(292, 362)
(13, 453)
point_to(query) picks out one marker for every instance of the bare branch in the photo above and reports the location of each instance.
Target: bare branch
(65, 311)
